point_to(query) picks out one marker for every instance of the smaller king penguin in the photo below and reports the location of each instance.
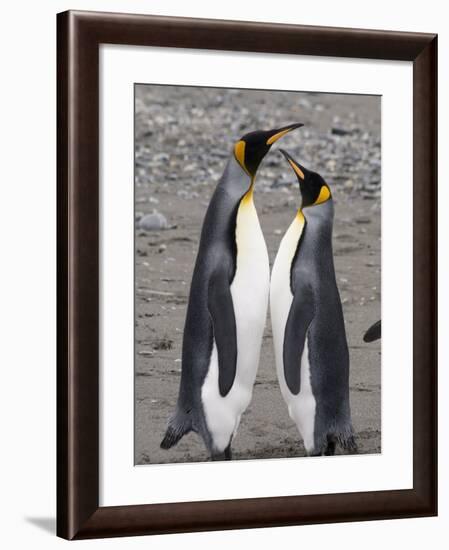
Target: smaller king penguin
(227, 307)
(311, 351)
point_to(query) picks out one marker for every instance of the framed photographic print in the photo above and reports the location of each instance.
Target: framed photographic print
(240, 207)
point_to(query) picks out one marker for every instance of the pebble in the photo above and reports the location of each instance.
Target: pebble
(340, 132)
(153, 222)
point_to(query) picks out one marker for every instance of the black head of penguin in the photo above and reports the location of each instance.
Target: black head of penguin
(251, 148)
(314, 190)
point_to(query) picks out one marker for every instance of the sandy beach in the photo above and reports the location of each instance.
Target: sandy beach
(183, 138)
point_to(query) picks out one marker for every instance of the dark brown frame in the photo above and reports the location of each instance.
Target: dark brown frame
(79, 37)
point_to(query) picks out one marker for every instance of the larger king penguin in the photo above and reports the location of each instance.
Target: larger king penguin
(227, 306)
(311, 351)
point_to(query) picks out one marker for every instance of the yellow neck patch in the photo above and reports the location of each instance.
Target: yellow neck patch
(248, 196)
(323, 196)
(300, 215)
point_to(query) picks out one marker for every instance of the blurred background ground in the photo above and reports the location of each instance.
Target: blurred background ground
(183, 136)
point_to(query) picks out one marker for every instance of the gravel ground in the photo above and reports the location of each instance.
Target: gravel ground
(183, 136)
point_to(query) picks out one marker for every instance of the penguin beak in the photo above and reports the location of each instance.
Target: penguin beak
(313, 189)
(276, 134)
(299, 170)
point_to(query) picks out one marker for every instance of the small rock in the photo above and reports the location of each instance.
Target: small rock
(161, 157)
(340, 131)
(164, 343)
(153, 222)
(162, 248)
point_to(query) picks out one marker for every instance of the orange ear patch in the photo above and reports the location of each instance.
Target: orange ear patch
(239, 152)
(324, 195)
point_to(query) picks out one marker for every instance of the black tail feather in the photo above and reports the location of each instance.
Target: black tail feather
(178, 426)
(349, 444)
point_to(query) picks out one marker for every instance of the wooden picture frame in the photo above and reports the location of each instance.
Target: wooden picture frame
(79, 35)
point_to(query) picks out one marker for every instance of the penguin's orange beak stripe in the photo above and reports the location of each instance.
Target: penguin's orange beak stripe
(277, 136)
(297, 169)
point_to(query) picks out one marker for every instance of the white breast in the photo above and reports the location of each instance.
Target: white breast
(301, 407)
(249, 291)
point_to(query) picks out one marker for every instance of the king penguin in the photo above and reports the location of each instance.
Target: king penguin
(227, 306)
(311, 351)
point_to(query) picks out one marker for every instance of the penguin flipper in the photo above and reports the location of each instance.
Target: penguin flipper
(301, 314)
(373, 333)
(221, 309)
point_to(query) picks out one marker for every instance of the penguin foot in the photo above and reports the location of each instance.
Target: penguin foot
(225, 455)
(228, 452)
(330, 449)
(315, 454)
(351, 445)
(218, 457)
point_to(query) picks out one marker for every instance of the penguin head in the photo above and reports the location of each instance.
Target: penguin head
(314, 190)
(251, 148)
